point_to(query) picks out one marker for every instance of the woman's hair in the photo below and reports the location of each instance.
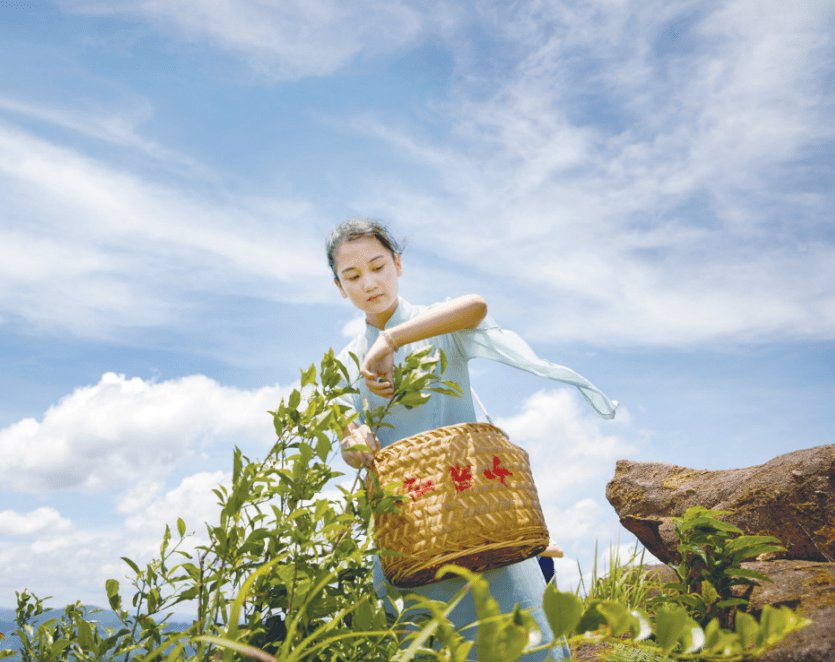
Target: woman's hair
(356, 228)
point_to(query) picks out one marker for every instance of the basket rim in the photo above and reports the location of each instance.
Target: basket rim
(439, 430)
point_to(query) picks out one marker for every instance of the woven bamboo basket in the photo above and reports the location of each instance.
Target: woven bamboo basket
(470, 500)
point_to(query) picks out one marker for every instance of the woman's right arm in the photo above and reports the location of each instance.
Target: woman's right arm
(465, 312)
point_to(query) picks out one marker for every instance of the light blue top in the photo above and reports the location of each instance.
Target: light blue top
(523, 582)
(489, 341)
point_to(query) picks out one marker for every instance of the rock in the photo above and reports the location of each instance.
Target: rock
(791, 497)
(808, 587)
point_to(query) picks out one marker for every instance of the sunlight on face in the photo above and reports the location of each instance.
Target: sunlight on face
(367, 274)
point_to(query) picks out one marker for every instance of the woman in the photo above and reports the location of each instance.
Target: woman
(366, 265)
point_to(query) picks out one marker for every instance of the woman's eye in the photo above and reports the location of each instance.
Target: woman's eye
(376, 268)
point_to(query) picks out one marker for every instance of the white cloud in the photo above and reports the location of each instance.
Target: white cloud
(95, 555)
(627, 165)
(116, 125)
(192, 499)
(35, 522)
(354, 327)
(572, 454)
(123, 429)
(91, 249)
(279, 41)
(632, 167)
(570, 448)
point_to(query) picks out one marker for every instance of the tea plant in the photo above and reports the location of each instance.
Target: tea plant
(285, 573)
(696, 617)
(712, 552)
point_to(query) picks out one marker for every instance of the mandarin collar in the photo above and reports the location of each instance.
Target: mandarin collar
(400, 314)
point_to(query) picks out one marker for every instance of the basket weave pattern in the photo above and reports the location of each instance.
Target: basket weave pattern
(470, 500)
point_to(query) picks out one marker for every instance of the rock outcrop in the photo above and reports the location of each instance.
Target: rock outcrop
(808, 587)
(791, 497)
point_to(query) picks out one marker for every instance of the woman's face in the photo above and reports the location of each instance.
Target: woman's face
(367, 274)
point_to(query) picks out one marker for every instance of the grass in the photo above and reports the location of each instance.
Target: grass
(626, 580)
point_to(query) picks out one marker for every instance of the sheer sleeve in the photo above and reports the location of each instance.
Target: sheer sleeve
(489, 341)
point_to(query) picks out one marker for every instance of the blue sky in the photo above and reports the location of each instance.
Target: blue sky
(643, 190)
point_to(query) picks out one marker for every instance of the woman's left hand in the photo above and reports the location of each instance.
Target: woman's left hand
(377, 369)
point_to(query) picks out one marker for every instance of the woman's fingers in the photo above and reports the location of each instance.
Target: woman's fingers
(360, 437)
(379, 385)
(368, 437)
(356, 460)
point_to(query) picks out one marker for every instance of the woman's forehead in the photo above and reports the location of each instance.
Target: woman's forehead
(356, 252)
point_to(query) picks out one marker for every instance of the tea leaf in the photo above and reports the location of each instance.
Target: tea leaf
(563, 610)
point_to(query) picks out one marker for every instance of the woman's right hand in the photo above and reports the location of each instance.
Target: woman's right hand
(377, 369)
(359, 436)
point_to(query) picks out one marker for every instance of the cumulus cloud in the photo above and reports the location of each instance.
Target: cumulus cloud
(192, 500)
(40, 520)
(122, 429)
(40, 562)
(572, 454)
(569, 447)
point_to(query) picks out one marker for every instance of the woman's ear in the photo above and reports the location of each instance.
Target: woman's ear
(339, 287)
(398, 265)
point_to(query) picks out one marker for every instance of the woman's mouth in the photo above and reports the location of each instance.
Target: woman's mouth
(374, 298)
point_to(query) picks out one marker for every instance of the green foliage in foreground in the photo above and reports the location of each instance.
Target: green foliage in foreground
(285, 572)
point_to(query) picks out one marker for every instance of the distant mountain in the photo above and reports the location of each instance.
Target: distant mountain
(7, 625)
(105, 618)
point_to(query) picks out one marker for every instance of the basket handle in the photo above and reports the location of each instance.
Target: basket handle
(481, 405)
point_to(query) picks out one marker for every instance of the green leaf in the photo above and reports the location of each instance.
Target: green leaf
(57, 648)
(132, 565)
(309, 376)
(166, 538)
(364, 615)
(181, 526)
(748, 573)
(563, 610)
(776, 623)
(323, 447)
(721, 643)
(85, 635)
(692, 637)
(747, 628)
(709, 593)
(111, 587)
(618, 617)
(753, 551)
(592, 619)
(670, 624)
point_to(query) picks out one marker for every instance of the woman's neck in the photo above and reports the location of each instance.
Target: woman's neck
(379, 320)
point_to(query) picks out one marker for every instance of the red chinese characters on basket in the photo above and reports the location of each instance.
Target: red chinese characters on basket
(417, 489)
(498, 472)
(462, 478)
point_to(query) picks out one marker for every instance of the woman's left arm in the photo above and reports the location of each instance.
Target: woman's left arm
(464, 312)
